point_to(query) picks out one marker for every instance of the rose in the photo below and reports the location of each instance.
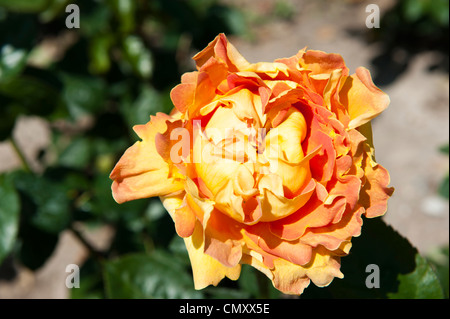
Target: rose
(266, 164)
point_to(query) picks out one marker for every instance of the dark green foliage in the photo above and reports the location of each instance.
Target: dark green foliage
(443, 189)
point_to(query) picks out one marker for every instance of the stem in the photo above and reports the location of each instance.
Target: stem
(20, 154)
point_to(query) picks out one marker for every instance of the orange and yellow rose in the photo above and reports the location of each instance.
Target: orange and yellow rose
(266, 164)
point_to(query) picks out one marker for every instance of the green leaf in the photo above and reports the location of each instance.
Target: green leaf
(34, 91)
(226, 293)
(248, 280)
(147, 103)
(36, 245)
(422, 283)
(233, 19)
(444, 149)
(439, 12)
(125, 12)
(32, 94)
(19, 30)
(49, 205)
(284, 10)
(103, 206)
(83, 95)
(414, 9)
(138, 56)
(9, 216)
(444, 187)
(12, 61)
(440, 261)
(256, 284)
(18, 34)
(54, 8)
(155, 210)
(29, 6)
(77, 154)
(179, 252)
(148, 276)
(95, 18)
(99, 53)
(201, 5)
(44, 213)
(8, 116)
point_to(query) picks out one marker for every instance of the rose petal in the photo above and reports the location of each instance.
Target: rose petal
(222, 238)
(289, 278)
(323, 267)
(221, 49)
(320, 62)
(314, 213)
(205, 269)
(184, 219)
(293, 251)
(275, 207)
(375, 192)
(362, 98)
(142, 172)
(332, 236)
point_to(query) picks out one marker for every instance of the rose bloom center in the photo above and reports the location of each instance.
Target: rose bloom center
(265, 163)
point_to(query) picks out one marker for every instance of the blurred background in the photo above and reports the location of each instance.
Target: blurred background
(70, 96)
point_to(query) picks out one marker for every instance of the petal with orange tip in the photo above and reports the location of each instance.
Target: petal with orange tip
(276, 207)
(320, 62)
(205, 269)
(293, 279)
(289, 278)
(332, 236)
(181, 213)
(323, 267)
(221, 49)
(270, 69)
(141, 172)
(185, 220)
(363, 99)
(375, 192)
(223, 240)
